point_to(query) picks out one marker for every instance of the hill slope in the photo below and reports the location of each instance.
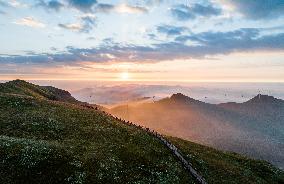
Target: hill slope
(45, 141)
(49, 141)
(235, 127)
(20, 87)
(226, 167)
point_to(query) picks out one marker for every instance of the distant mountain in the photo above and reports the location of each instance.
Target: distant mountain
(262, 106)
(239, 127)
(48, 137)
(262, 113)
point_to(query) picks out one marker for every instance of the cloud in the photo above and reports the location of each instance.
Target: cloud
(247, 39)
(124, 8)
(91, 6)
(51, 5)
(182, 12)
(82, 5)
(31, 22)
(209, 44)
(86, 24)
(255, 9)
(171, 30)
(12, 3)
(120, 8)
(85, 6)
(16, 4)
(207, 38)
(105, 8)
(89, 22)
(74, 27)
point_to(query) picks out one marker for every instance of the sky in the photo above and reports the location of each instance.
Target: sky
(142, 40)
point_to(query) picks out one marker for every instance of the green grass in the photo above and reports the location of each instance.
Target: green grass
(43, 140)
(53, 142)
(19, 87)
(227, 167)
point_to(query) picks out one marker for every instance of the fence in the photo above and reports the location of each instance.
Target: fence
(169, 145)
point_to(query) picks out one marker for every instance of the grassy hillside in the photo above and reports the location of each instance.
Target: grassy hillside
(43, 140)
(50, 142)
(20, 87)
(227, 167)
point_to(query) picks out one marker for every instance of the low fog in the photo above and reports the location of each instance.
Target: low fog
(112, 94)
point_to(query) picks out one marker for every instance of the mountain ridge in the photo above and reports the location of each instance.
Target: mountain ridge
(259, 98)
(259, 120)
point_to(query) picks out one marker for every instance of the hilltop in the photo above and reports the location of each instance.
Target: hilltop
(21, 87)
(45, 137)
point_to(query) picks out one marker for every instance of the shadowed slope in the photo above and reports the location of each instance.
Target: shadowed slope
(239, 127)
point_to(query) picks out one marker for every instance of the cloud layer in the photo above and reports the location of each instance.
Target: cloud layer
(160, 31)
(206, 44)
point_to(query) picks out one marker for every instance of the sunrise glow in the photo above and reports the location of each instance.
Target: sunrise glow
(124, 76)
(210, 40)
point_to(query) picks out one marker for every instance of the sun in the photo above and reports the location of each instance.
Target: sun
(124, 76)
